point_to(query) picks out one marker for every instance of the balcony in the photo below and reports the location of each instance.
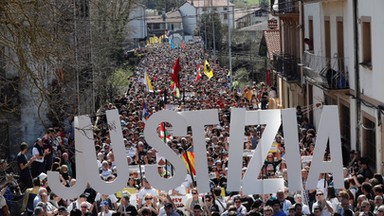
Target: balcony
(286, 66)
(280, 7)
(320, 1)
(330, 73)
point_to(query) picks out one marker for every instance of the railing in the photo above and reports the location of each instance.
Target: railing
(285, 6)
(330, 72)
(287, 66)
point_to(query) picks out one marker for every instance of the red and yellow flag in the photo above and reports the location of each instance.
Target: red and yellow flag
(189, 160)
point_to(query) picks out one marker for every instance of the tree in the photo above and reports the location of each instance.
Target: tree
(108, 34)
(205, 26)
(53, 55)
(264, 4)
(167, 5)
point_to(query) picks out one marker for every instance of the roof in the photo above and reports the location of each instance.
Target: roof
(207, 3)
(256, 27)
(172, 17)
(240, 13)
(272, 39)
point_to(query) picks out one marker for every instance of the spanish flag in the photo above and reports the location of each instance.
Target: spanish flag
(207, 70)
(189, 160)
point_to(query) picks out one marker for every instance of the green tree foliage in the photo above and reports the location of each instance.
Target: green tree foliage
(206, 24)
(167, 5)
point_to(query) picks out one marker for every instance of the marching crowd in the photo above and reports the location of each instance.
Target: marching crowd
(362, 195)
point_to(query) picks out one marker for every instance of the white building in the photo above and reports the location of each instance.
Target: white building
(249, 16)
(340, 37)
(157, 25)
(192, 10)
(137, 23)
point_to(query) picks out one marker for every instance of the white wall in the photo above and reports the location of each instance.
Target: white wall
(371, 81)
(188, 14)
(137, 27)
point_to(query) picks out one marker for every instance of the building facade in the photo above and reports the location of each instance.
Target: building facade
(192, 10)
(338, 51)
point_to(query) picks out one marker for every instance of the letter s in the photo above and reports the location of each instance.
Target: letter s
(150, 133)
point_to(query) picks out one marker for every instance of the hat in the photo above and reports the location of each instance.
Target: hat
(104, 203)
(62, 208)
(168, 205)
(126, 195)
(41, 204)
(42, 176)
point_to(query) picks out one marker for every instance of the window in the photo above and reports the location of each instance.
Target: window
(310, 31)
(327, 37)
(369, 142)
(340, 42)
(366, 41)
(345, 125)
(225, 16)
(225, 8)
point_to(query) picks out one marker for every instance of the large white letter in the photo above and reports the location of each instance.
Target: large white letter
(292, 151)
(235, 152)
(329, 128)
(179, 129)
(252, 185)
(81, 180)
(93, 175)
(197, 120)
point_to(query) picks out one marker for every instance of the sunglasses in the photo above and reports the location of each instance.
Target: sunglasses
(319, 194)
(83, 206)
(194, 192)
(148, 198)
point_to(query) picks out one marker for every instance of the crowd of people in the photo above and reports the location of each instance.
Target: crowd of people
(362, 195)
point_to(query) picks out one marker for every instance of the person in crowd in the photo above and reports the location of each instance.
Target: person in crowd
(38, 151)
(149, 204)
(299, 200)
(105, 210)
(125, 207)
(146, 189)
(24, 166)
(195, 199)
(240, 208)
(324, 206)
(77, 203)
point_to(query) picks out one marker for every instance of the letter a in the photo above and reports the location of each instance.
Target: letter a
(329, 128)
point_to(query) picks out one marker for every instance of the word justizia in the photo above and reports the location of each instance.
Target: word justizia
(329, 129)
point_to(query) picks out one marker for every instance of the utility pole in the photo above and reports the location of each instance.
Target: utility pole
(165, 15)
(205, 27)
(76, 57)
(229, 45)
(213, 31)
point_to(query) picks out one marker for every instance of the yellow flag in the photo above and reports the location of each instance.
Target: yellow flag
(147, 83)
(207, 70)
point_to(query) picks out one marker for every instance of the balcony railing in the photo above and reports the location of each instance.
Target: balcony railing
(287, 66)
(329, 72)
(285, 6)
